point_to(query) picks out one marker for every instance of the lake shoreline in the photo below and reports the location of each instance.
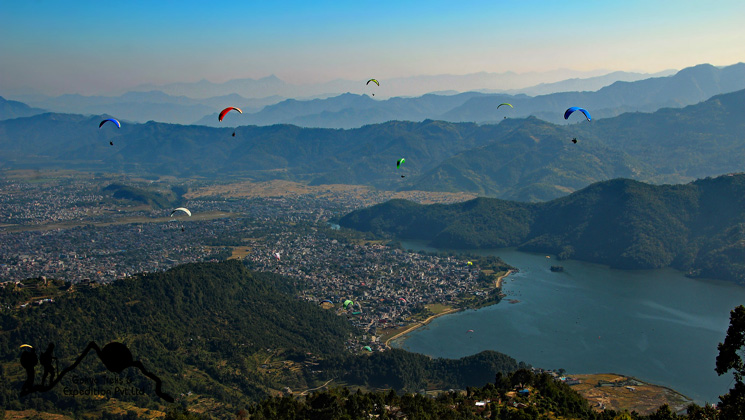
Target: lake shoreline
(497, 285)
(560, 317)
(498, 282)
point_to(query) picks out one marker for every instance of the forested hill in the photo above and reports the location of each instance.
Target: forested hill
(518, 159)
(697, 227)
(204, 328)
(536, 160)
(199, 327)
(196, 325)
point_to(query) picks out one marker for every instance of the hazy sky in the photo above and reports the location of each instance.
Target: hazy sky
(95, 47)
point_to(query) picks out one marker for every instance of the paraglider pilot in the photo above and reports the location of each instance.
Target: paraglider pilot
(46, 359)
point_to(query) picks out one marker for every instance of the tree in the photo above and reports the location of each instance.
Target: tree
(733, 403)
(522, 377)
(663, 413)
(706, 412)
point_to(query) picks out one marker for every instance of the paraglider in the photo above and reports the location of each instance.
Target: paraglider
(226, 110)
(509, 105)
(374, 81)
(569, 112)
(399, 163)
(184, 209)
(277, 256)
(469, 331)
(367, 348)
(324, 301)
(403, 299)
(26, 346)
(470, 263)
(118, 125)
(347, 303)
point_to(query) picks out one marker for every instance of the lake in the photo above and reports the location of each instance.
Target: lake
(656, 325)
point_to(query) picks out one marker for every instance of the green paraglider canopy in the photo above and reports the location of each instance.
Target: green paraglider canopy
(367, 348)
(347, 303)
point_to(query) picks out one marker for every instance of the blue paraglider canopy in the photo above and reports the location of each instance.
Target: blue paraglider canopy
(112, 120)
(576, 108)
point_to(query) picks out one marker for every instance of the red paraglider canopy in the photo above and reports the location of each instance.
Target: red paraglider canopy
(226, 110)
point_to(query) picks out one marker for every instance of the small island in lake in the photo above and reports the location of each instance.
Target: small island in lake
(557, 268)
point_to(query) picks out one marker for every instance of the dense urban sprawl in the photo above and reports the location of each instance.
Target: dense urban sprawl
(98, 242)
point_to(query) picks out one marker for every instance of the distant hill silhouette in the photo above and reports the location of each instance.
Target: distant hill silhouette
(397, 86)
(689, 86)
(327, 106)
(686, 87)
(149, 105)
(345, 111)
(15, 109)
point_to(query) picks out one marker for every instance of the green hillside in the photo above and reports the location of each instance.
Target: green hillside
(198, 326)
(533, 162)
(216, 334)
(697, 227)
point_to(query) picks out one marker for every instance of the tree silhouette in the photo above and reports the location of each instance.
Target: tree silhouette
(733, 403)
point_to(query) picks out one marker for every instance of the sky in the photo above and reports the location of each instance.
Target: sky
(90, 47)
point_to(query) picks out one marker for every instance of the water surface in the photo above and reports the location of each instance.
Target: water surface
(656, 325)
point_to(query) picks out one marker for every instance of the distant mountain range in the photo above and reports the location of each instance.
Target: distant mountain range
(581, 84)
(148, 106)
(523, 159)
(698, 227)
(187, 103)
(396, 86)
(345, 111)
(689, 86)
(15, 109)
